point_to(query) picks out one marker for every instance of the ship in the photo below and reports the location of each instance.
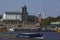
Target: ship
(31, 35)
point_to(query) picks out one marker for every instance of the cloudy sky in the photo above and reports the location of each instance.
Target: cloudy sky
(34, 7)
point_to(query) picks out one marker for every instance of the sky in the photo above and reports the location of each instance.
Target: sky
(34, 7)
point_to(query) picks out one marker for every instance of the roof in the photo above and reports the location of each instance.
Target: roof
(12, 12)
(31, 18)
(55, 22)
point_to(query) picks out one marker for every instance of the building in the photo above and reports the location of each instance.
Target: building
(20, 20)
(12, 16)
(55, 23)
(12, 19)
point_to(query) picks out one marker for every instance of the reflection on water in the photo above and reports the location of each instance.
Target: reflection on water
(51, 36)
(18, 39)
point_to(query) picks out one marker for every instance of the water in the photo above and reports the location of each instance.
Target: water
(47, 36)
(51, 36)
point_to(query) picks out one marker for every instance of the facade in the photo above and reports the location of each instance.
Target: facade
(12, 16)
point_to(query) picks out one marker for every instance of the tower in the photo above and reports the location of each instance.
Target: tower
(24, 13)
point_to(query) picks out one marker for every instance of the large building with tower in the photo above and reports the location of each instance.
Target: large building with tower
(20, 20)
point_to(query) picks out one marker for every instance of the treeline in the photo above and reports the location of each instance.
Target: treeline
(1, 17)
(47, 21)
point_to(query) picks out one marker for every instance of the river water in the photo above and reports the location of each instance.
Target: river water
(51, 36)
(47, 36)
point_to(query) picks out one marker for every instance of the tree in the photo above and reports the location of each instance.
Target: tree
(0, 17)
(45, 22)
(49, 19)
(57, 18)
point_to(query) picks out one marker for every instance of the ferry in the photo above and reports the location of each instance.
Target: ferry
(31, 35)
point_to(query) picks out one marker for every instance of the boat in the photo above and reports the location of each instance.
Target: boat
(31, 35)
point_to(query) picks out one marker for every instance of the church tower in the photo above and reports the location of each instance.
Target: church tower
(24, 13)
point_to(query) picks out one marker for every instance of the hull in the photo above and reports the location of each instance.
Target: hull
(31, 35)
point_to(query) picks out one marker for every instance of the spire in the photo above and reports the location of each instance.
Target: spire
(24, 13)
